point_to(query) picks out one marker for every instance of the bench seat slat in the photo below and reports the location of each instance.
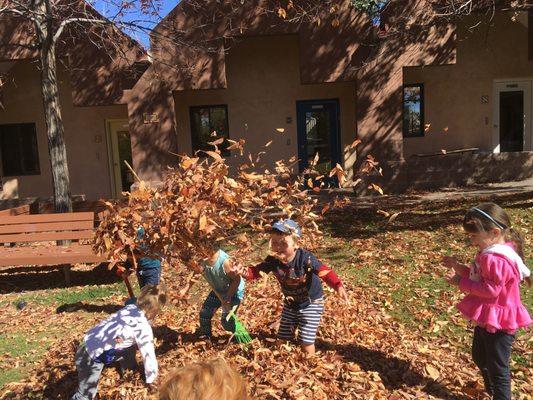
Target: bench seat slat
(41, 218)
(45, 236)
(46, 227)
(54, 255)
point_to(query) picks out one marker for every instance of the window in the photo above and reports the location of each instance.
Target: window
(208, 120)
(18, 146)
(413, 110)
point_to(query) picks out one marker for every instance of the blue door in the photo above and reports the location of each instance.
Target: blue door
(318, 132)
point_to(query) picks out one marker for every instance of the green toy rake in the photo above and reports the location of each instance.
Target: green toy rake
(241, 334)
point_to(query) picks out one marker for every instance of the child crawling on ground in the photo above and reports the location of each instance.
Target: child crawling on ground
(116, 339)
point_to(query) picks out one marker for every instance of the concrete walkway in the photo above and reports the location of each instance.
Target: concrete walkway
(491, 191)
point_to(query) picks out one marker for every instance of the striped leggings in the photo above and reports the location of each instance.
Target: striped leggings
(306, 320)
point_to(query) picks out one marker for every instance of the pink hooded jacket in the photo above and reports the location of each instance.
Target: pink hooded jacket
(493, 293)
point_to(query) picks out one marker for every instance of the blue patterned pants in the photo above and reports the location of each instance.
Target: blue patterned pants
(209, 308)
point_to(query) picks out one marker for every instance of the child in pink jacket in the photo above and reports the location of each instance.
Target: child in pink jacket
(493, 294)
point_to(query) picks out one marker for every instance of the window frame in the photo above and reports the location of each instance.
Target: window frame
(35, 172)
(224, 152)
(422, 111)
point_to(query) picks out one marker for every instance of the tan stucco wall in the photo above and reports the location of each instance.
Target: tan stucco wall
(453, 109)
(85, 135)
(263, 75)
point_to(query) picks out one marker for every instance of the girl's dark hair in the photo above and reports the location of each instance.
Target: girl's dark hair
(487, 216)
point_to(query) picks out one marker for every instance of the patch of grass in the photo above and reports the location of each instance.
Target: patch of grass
(20, 347)
(12, 375)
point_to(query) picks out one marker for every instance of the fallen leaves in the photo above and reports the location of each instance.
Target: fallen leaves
(363, 353)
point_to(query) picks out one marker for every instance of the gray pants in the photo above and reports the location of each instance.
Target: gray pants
(89, 371)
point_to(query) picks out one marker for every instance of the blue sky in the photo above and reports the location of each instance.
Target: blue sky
(109, 10)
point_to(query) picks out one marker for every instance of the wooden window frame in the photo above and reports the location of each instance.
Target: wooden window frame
(422, 113)
(224, 152)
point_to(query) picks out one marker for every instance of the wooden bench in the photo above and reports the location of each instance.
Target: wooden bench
(20, 210)
(24, 230)
(98, 207)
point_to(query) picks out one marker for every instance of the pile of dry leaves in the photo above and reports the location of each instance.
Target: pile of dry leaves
(363, 354)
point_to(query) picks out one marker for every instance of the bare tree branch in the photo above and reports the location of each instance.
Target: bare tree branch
(73, 20)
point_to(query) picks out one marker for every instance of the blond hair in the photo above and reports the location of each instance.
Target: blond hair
(208, 380)
(151, 300)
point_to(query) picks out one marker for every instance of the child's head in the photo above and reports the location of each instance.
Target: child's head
(489, 224)
(211, 380)
(284, 238)
(151, 300)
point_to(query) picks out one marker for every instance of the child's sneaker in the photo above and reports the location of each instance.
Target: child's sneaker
(201, 335)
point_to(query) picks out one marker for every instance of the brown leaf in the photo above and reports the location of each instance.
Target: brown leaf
(213, 154)
(432, 371)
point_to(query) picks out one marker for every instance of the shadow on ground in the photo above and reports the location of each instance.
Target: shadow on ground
(87, 307)
(365, 222)
(394, 372)
(19, 279)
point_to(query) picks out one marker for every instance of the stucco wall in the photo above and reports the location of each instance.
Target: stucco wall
(85, 135)
(454, 113)
(263, 77)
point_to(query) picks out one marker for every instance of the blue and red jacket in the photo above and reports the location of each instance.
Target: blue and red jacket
(300, 279)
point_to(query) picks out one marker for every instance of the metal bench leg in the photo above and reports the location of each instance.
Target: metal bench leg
(66, 273)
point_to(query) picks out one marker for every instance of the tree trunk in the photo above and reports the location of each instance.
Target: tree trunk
(52, 114)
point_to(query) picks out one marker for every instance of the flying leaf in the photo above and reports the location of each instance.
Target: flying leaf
(393, 217)
(377, 188)
(213, 154)
(356, 143)
(217, 142)
(384, 213)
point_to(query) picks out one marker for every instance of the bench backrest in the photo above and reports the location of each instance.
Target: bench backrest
(98, 207)
(46, 227)
(20, 210)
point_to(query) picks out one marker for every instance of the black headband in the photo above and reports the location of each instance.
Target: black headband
(486, 215)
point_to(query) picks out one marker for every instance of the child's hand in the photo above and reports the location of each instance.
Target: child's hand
(240, 269)
(454, 280)
(450, 261)
(343, 295)
(226, 306)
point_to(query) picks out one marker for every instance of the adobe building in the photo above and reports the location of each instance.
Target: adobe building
(436, 103)
(92, 80)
